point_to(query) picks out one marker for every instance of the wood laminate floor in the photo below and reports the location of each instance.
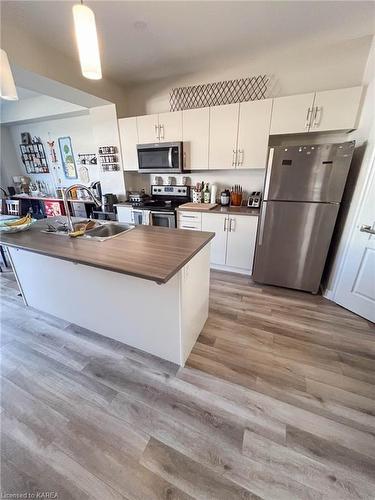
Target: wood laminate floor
(277, 401)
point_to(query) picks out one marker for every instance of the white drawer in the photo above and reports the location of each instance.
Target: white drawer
(192, 225)
(189, 216)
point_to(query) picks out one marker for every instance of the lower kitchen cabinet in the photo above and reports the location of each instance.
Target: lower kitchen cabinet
(233, 247)
(124, 214)
(217, 223)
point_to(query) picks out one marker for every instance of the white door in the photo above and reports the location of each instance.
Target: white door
(292, 114)
(129, 140)
(148, 129)
(336, 109)
(195, 128)
(170, 126)
(217, 223)
(241, 241)
(253, 133)
(223, 136)
(356, 288)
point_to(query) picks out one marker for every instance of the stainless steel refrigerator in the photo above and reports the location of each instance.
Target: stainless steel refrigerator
(302, 194)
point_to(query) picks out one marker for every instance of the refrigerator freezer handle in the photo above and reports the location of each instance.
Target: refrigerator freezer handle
(261, 226)
(268, 175)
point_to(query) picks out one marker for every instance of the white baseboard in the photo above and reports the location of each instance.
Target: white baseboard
(230, 269)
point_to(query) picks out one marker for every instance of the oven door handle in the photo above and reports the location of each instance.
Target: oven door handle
(161, 213)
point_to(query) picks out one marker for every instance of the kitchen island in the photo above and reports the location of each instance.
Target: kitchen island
(147, 287)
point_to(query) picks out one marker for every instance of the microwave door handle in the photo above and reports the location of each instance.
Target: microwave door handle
(170, 158)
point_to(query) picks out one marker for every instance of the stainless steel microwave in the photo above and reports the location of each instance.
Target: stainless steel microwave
(161, 157)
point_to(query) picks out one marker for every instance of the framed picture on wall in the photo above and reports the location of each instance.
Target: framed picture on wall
(67, 158)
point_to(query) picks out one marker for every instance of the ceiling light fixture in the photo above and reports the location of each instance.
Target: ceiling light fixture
(7, 87)
(87, 41)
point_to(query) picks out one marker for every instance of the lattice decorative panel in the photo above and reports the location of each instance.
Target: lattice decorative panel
(214, 94)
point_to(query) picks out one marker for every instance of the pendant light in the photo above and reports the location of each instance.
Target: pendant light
(7, 87)
(87, 41)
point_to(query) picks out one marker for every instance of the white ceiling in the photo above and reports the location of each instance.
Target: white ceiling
(142, 41)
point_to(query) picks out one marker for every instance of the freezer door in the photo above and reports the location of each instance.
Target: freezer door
(308, 173)
(292, 243)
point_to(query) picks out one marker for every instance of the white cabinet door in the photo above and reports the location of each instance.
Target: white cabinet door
(253, 133)
(129, 140)
(336, 109)
(124, 214)
(241, 241)
(170, 126)
(148, 129)
(216, 223)
(223, 136)
(292, 114)
(195, 132)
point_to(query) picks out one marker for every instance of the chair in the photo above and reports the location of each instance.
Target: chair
(13, 207)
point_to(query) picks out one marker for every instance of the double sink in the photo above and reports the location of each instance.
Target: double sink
(102, 232)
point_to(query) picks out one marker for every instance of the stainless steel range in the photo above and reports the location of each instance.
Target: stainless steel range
(160, 210)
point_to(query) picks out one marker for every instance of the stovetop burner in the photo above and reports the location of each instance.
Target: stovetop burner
(164, 198)
(167, 205)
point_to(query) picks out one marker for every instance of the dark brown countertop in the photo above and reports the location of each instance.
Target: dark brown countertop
(224, 210)
(148, 252)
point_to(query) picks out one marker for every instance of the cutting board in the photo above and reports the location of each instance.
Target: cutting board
(198, 206)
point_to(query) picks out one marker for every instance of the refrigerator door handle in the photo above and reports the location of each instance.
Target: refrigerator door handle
(268, 175)
(261, 226)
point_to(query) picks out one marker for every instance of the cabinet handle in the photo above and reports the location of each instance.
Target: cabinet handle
(161, 129)
(230, 225)
(241, 153)
(317, 116)
(156, 131)
(225, 224)
(308, 116)
(234, 158)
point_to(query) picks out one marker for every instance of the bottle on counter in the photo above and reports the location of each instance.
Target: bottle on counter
(206, 194)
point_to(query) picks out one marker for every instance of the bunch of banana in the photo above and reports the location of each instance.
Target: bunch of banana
(19, 222)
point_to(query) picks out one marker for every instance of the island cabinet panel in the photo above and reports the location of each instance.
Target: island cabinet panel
(120, 306)
(253, 133)
(223, 136)
(129, 139)
(195, 126)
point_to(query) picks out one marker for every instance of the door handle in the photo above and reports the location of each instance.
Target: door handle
(365, 228)
(225, 224)
(161, 129)
(156, 132)
(261, 227)
(307, 124)
(317, 116)
(242, 154)
(230, 225)
(234, 158)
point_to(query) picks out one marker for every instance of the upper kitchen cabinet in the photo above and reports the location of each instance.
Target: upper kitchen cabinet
(223, 136)
(292, 114)
(195, 126)
(336, 109)
(170, 126)
(253, 131)
(316, 112)
(161, 127)
(148, 129)
(129, 139)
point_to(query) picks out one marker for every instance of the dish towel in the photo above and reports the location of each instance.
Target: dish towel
(147, 218)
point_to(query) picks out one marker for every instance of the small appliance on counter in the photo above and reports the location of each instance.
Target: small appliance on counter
(225, 198)
(108, 200)
(138, 197)
(96, 189)
(254, 199)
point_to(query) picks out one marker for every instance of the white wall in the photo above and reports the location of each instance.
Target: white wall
(78, 128)
(303, 67)
(365, 143)
(9, 165)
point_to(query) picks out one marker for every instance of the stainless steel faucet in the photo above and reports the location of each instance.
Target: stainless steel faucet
(65, 198)
(4, 191)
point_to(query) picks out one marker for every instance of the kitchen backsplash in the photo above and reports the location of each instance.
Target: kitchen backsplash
(250, 180)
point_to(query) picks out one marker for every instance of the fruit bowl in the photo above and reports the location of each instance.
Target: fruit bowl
(15, 226)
